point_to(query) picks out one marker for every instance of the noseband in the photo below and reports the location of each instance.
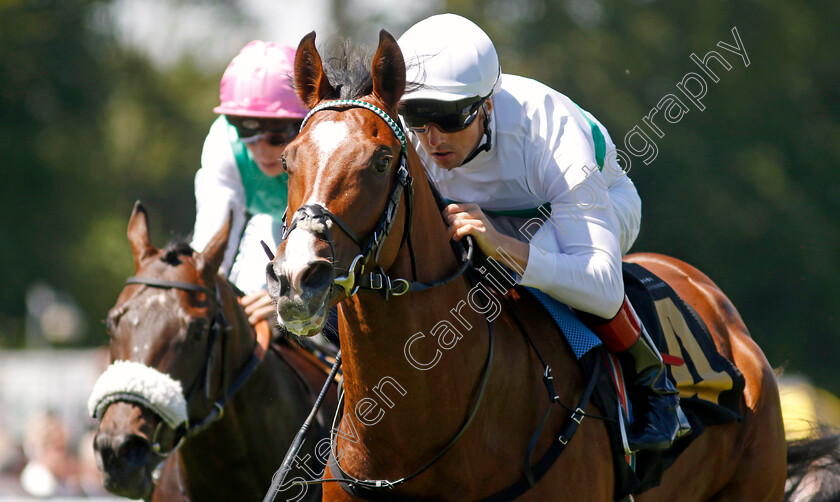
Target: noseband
(355, 278)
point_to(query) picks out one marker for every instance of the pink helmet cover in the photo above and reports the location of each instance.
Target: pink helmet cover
(258, 83)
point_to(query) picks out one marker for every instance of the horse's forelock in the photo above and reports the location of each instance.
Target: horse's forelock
(349, 72)
(174, 250)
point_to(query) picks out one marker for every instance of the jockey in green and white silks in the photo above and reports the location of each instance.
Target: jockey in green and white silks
(241, 169)
(503, 149)
(230, 179)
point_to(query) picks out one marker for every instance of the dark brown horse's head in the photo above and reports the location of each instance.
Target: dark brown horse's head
(162, 352)
(344, 171)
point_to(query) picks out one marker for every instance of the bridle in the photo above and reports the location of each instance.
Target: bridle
(356, 278)
(217, 327)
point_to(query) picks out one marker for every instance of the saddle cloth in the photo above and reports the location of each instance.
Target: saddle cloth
(710, 386)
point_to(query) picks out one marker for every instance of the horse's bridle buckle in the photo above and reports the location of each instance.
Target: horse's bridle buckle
(157, 449)
(404, 285)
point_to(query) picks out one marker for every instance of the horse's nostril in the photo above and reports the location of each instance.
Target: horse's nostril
(276, 284)
(270, 273)
(135, 450)
(272, 281)
(318, 275)
(107, 457)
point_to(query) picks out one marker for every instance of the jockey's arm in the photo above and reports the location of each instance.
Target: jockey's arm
(218, 190)
(574, 256)
(469, 219)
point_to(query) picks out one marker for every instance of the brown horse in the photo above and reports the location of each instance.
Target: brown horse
(178, 325)
(437, 404)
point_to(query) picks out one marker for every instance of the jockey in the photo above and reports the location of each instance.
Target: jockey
(496, 145)
(241, 168)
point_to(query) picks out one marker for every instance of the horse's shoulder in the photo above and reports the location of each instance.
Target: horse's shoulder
(526, 312)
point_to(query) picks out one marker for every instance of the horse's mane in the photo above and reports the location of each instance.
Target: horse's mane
(173, 251)
(348, 70)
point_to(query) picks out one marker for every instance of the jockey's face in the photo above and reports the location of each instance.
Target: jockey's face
(267, 156)
(266, 139)
(450, 149)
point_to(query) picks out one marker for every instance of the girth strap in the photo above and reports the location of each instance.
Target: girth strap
(535, 473)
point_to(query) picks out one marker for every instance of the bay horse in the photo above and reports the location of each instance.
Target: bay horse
(441, 390)
(178, 325)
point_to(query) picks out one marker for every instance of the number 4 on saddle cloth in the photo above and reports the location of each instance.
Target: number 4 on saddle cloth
(709, 385)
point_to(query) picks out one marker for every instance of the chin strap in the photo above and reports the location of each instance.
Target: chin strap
(486, 145)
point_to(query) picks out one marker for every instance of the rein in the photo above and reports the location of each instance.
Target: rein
(356, 279)
(372, 490)
(218, 325)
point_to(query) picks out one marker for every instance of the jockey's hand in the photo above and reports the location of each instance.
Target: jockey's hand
(469, 219)
(258, 306)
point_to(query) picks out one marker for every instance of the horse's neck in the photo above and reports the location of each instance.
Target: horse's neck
(258, 422)
(378, 366)
(434, 256)
(247, 445)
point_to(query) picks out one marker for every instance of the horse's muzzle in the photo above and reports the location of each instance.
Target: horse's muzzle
(123, 460)
(301, 293)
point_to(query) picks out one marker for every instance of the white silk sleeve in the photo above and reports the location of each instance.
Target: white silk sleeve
(623, 195)
(218, 190)
(575, 255)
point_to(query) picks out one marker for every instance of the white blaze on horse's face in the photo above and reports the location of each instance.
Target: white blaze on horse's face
(328, 136)
(300, 252)
(302, 309)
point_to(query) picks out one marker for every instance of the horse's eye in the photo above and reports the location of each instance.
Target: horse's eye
(380, 165)
(112, 321)
(196, 329)
(283, 161)
(110, 325)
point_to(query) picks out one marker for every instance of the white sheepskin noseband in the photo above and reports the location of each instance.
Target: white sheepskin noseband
(141, 384)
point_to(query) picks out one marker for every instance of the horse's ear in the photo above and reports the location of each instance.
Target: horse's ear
(138, 235)
(210, 259)
(311, 83)
(388, 71)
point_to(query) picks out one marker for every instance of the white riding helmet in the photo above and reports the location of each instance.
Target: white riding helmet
(451, 57)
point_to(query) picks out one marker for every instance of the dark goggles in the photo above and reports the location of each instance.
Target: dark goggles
(449, 116)
(275, 132)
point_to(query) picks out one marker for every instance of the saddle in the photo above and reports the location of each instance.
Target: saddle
(710, 386)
